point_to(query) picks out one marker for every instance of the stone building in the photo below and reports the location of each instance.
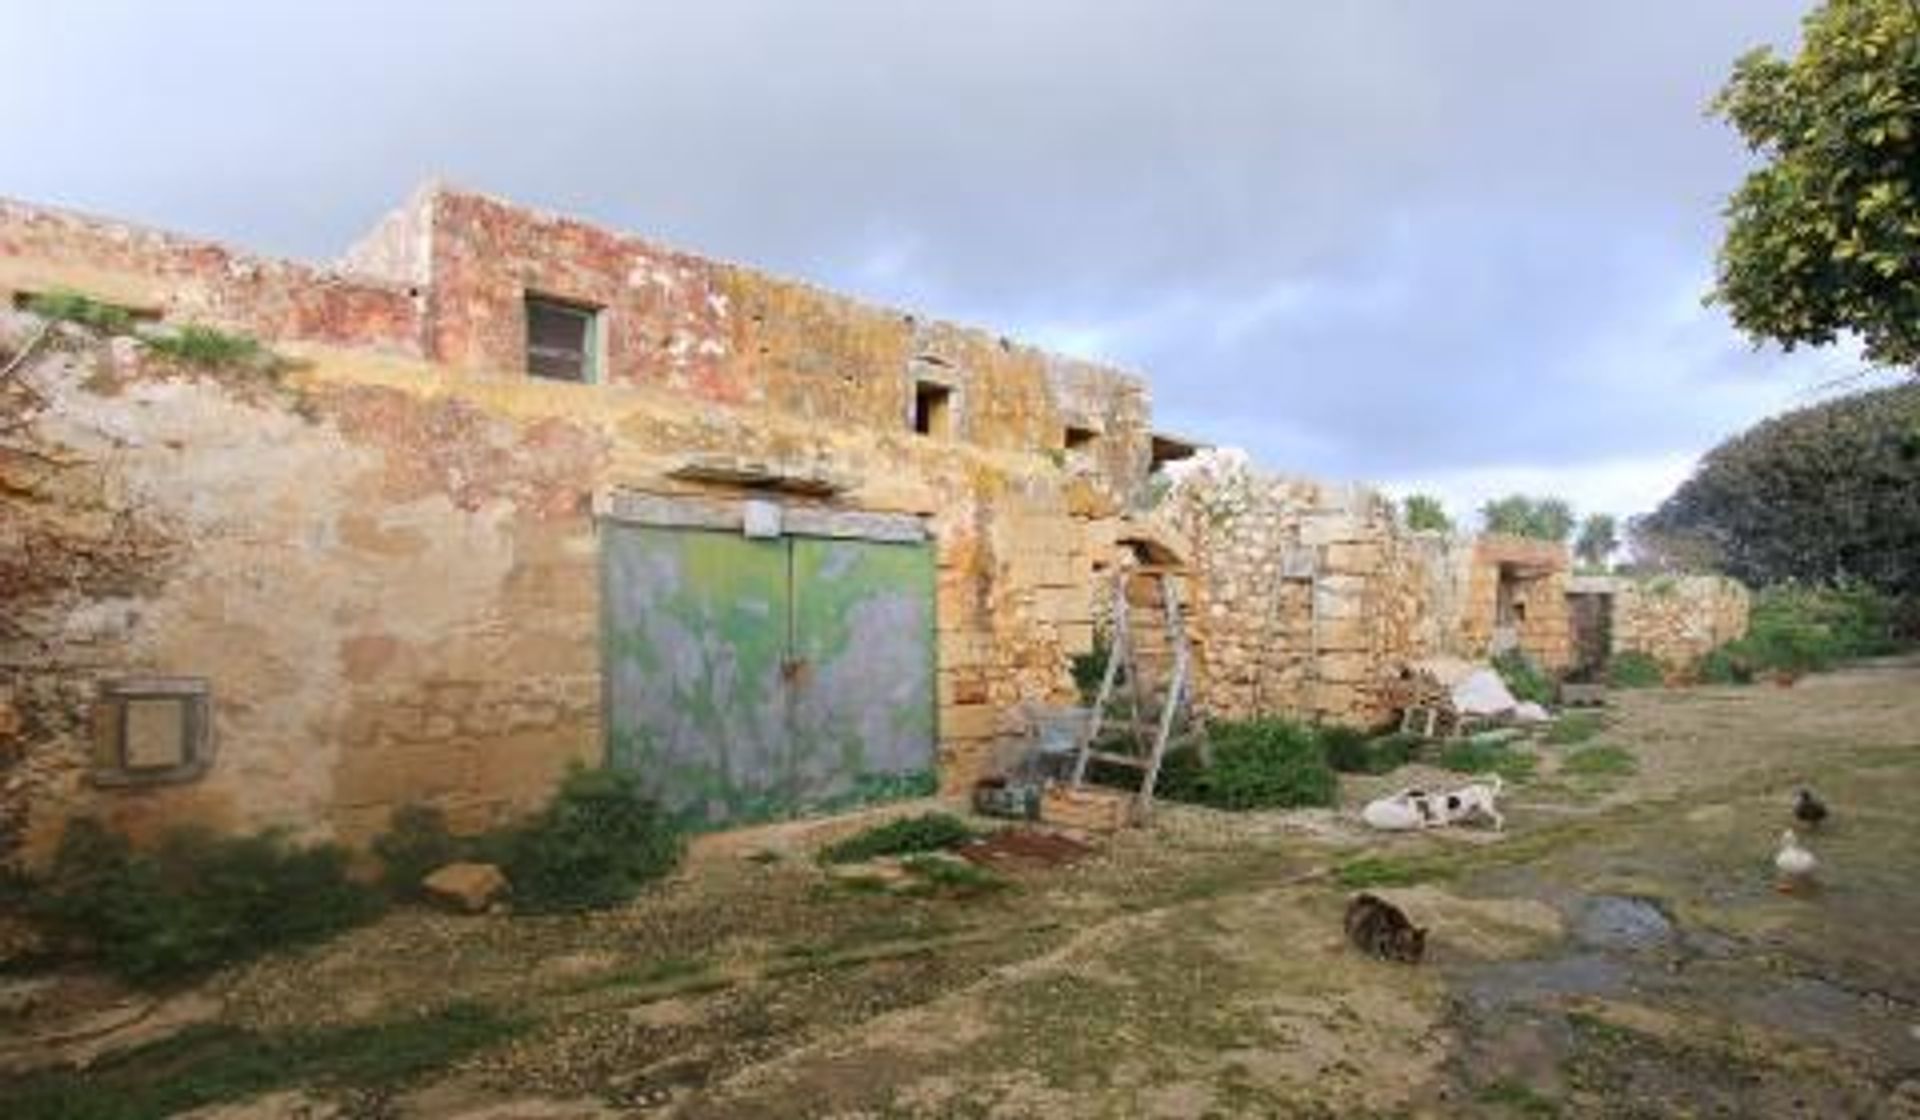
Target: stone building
(522, 492)
(507, 492)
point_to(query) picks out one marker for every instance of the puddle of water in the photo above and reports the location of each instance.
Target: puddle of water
(1520, 983)
(1607, 921)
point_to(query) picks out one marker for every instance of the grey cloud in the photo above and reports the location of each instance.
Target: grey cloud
(1348, 235)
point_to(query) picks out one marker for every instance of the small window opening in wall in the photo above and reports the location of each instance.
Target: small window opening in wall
(1081, 441)
(563, 340)
(933, 409)
(151, 730)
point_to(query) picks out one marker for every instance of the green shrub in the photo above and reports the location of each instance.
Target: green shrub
(595, 845)
(929, 832)
(1381, 871)
(1481, 756)
(1601, 759)
(1355, 752)
(1390, 752)
(205, 346)
(72, 307)
(196, 901)
(942, 875)
(1800, 629)
(1090, 668)
(1729, 664)
(1633, 669)
(416, 844)
(1257, 764)
(1523, 678)
(1575, 727)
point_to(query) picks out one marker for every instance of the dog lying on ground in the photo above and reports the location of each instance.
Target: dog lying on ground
(1412, 809)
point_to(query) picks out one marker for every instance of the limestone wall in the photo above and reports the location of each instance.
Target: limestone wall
(388, 572)
(1678, 619)
(1307, 598)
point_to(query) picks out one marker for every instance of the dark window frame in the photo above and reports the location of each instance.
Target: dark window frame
(589, 357)
(112, 765)
(935, 408)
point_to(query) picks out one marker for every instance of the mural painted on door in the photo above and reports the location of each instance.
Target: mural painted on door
(752, 680)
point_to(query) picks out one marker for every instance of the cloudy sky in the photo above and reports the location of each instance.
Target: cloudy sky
(1456, 245)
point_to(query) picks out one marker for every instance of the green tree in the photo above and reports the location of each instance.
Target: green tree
(1424, 512)
(1547, 519)
(1599, 536)
(1824, 237)
(1825, 494)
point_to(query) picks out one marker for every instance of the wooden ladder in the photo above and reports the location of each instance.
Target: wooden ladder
(1133, 643)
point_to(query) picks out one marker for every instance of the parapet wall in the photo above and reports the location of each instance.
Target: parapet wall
(1678, 619)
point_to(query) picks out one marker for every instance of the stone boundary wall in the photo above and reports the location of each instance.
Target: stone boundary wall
(1677, 619)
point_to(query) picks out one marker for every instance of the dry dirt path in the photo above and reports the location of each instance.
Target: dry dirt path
(1618, 951)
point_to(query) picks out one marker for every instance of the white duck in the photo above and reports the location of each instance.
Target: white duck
(1794, 861)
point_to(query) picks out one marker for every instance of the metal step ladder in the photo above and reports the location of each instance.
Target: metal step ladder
(1157, 714)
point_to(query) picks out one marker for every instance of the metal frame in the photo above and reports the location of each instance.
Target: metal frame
(110, 767)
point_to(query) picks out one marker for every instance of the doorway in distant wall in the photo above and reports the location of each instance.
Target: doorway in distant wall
(758, 679)
(1590, 614)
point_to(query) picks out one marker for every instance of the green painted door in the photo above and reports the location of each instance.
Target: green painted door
(751, 680)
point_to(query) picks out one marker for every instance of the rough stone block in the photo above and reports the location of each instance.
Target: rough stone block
(469, 887)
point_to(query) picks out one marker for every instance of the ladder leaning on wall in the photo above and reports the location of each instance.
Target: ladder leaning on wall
(1148, 628)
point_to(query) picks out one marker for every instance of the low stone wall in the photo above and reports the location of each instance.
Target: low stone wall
(1308, 595)
(1678, 619)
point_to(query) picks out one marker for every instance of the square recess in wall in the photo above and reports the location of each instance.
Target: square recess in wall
(152, 730)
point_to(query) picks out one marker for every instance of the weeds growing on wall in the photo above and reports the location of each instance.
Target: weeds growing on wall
(197, 901)
(208, 347)
(929, 832)
(71, 307)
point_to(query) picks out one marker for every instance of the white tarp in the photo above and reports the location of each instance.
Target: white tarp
(1482, 693)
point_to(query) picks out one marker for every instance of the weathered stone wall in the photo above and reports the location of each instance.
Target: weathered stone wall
(388, 572)
(1308, 596)
(183, 279)
(1675, 619)
(1536, 573)
(725, 334)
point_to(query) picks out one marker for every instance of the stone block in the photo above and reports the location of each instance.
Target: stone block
(468, 887)
(969, 721)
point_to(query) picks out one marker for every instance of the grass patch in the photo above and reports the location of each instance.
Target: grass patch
(929, 832)
(1383, 871)
(1480, 756)
(1518, 1098)
(1633, 669)
(1575, 727)
(196, 901)
(1354, 752)
(948, 876)
(1601, 759)
(208, 347)
(210, 1065)
(71, 307)
(1523, 678)
(1257, 764)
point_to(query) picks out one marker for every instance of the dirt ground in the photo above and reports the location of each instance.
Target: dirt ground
(1620, 950)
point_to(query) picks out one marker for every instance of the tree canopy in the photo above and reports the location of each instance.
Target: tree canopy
(1424, 512)
(1827, 494)
(1824, 237)
(1547, 519)
(1599, 536)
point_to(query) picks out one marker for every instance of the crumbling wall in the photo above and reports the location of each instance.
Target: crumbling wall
(1309, 596)
(1677, 619)
(1536, 573)
(186, 280)
(388, 573)
(726, 334)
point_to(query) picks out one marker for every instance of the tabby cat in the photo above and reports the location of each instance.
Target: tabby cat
(1377, 927)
